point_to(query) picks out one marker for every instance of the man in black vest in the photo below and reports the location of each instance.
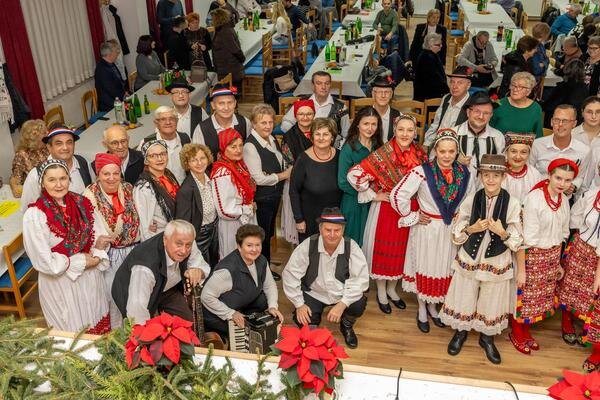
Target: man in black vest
(60, 142)
(116, 141)
(223, 103)
(240, 284)
(488, 227)
(189, 116)
(383, 93)
(451, 111)
(150, 280)
(328, 270)
(325, 107)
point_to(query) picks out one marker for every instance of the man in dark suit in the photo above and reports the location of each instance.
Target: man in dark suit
(109, 84)
(116, 141)
(189, 116)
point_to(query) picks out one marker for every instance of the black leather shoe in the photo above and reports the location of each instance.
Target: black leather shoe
(491, 352)
(436, 320)
(398, 303)
(276, 276)
(456, 343)
(385, 308)
(348, 333)
(423, 326)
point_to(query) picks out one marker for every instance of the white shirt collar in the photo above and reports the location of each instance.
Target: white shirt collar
(338, 250)
(261, 141)
(234, 121)
(170, 262)
(329, 101)
(187, 113)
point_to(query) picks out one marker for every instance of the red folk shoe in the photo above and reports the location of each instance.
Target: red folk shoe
(522, 347)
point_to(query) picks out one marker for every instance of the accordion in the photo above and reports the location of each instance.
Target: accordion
(257, 336)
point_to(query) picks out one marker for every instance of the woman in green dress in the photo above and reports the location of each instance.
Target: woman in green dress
(364, 136)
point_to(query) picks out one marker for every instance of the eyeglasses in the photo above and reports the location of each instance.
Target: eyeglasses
(305, 114)
(383, 92)
(516, 87)
(197, 160)
(166, 119)
(179, 92)
(559, 121)
(157, 155)
(122, 142)
(594, 48)
(482, 113)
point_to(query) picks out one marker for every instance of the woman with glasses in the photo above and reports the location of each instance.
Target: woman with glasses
(589, 131)
(592, 65)
(517, 61)
(517, 112)
(422, 30)
(155, 191)
(430, 77)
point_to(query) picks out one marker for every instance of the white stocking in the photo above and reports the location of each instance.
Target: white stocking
(381, 294)
(391, 289)
(422, 310)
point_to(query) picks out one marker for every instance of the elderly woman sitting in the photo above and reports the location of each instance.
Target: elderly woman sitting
(30, 152)
(430, 77)
(517, 112)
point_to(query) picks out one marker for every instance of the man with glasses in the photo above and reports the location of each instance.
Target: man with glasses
(165, 121)
(116, 141)
(189, 116)
(383, 93)
(451, 112)
(561, 144)
(479, 55)
(475, 136)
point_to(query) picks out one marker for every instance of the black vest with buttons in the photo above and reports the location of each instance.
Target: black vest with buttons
(342, 266)
(243, 290)
(270, 165)
(496, 246)
(211, 137)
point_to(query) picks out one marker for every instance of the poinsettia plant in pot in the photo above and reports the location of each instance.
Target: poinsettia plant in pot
(576, 386)
(310, 360)
(163, 341)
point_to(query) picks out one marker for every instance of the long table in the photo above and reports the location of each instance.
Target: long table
(11, 226)
(367, 16)
(497, 15)
(251, 41)
(350, 75)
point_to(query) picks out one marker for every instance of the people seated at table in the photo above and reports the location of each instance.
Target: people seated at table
(422, 30)
(116, 141)
(563, 24)
(199, 40)
(155, 191)
(30, 152)
(60, 143)
(165, 122)
(269, 170)
(386, 23)
(451, 111)
(517, 112)
(430, 76)
(517, 60)
(570, 51)
(475, 136)
(283, 25)
(561, 144)
(325, 106)
(114, 208)
(592, 65)
(151, 278)
(571, 90)
(313, 183)
(383, 94)
(507, 5)
(247, 7)
(589, 130)
(479, 55)
(166, 13)
(67, 246)
(234, 17)
(540, 60)
(328, 270)
(488, 230)
(233, 190)
(107, 78)
(295, 15)
(195, 202)
(178, 46)
(189, 116)
(228, 56)
(147, 63)
(223, 103)
(240, 284)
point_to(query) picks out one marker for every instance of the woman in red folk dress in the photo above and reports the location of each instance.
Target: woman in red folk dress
(374, 178)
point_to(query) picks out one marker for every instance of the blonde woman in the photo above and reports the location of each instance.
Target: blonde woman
(282, 23)
(30, 153)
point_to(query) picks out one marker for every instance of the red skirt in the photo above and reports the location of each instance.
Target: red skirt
(389, 248)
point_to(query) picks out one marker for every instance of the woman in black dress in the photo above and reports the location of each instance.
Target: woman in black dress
(313, 184)
(430, 77)
(297, 138)
(199, 41)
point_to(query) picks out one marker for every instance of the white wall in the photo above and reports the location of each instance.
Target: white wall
(134, 18)
(533, 8)
(422, 6)
(201, 7)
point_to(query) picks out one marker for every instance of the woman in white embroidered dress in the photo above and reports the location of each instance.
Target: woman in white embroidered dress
(520, 176)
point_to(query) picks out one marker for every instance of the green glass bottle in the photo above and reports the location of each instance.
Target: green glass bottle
(137, 108)
(132, 113)
(327, 52)
(146, 105)
(359, 25)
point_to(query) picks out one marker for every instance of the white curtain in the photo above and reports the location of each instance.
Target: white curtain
(59, 34)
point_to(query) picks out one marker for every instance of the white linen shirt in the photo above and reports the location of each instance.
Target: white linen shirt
(448, 121)
(199, 136)
(253, 161)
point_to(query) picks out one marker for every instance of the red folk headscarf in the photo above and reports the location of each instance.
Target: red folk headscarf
(558, 162)
(101, 161)
(303, 103)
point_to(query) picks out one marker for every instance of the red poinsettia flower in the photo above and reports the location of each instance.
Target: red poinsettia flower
(576, 386)
(494, 97)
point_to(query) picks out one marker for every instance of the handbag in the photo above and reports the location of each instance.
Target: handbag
(285, 83)
(198, 72)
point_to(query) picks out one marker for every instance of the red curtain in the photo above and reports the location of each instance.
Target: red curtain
(152, 22)
(96, 29)
(189, 6)
(18, 55)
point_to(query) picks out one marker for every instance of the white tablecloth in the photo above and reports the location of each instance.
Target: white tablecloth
(10, 227)
(90, 141)
(367, 16)
(350, 75)
(251, 41)
(496, 16)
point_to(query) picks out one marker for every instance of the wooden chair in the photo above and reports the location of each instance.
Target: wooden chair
(301, 45)
(548, 131)
(89, 96)
(455, 53)
(131, 80)
(54, 115)
(17, 276)
(336, 85)
(357, 104)
(281, 55)
(343, 11)
(401, 17)
(285, 103)
(228, 79)
(524, 23)
(329, 27)
(431, 106)
(252, 83)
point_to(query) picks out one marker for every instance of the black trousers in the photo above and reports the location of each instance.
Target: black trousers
(207, 239)
(173, 302)
(266, 214)
(213, 323)
(351, 313)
